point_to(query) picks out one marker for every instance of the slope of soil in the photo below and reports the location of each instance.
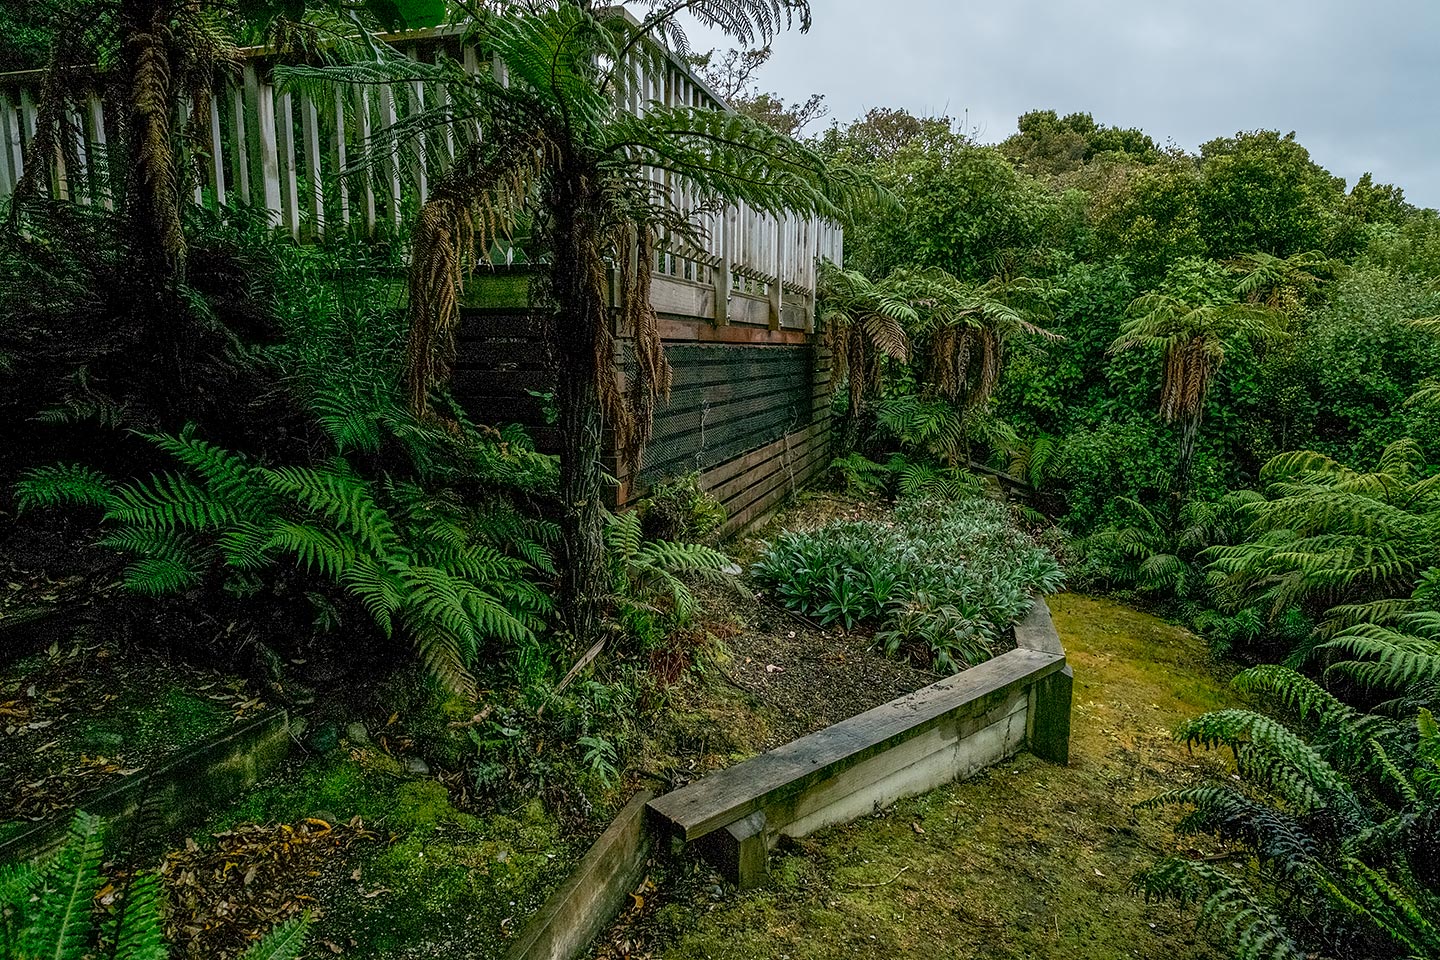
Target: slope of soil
(1026, 860)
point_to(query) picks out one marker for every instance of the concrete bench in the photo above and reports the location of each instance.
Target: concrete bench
(948, 730)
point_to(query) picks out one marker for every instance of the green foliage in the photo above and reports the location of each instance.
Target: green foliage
(453, 578)
(680, 509)
(1330, 535)
(1337, 808)
(649, 575)
(47, 909)
(948, 576)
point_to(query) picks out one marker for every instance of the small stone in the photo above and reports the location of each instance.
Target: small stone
(326, 816)
(417, 767)
(356, 733)
(325, 737)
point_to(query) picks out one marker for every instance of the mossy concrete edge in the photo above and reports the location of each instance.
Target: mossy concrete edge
(589, 899)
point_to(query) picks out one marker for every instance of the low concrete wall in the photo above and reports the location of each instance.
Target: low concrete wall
(176, 792)
(906, 747)
(587, 902)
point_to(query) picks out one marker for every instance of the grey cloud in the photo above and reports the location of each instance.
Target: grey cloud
(1359, 83)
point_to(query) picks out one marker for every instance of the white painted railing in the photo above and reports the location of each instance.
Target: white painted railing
(284, 151)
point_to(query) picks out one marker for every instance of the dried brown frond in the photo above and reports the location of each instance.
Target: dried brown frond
(652, 374)
(472, 207)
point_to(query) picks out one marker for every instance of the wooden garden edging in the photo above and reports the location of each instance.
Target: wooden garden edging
(946, 731)
(175, 792)
(589, 900)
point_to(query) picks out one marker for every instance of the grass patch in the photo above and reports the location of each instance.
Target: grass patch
(1025, 860)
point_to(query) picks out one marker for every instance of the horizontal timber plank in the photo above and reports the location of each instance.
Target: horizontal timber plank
(732, 468)
(705, 332)
(796, 453)
(786, 477)
(768, 504)
(726, 796)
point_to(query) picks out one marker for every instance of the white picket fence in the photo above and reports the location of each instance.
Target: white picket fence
(284, 151)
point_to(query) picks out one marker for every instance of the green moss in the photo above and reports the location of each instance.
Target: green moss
(443, 883)
(1025, 860)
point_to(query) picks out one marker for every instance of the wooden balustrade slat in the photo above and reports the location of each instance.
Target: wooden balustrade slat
(258, 148)
(337, 157)
(310, 134)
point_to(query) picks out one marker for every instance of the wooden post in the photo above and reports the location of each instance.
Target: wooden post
(1050, 702)
(739, 851)
(442, 100)
(264, 160)
(420, 167)
(723, 279)
(28, 123)
(337, 152)
(392, 162)
(216, 166)
(289, 176)
(362, 130)
(11, 164)
(777, 286)
(240, 166)
(310, 133)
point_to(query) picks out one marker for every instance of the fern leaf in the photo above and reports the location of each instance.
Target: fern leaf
(63, 485)
(62, 921)
(285, 942)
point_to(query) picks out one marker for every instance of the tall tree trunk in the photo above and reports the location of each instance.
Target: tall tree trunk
(1189, 431)
(576, 335)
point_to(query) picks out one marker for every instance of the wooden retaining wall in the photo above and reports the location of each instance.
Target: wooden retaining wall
(919, 742)
(946, 731)
(177, 791)
(749, 409)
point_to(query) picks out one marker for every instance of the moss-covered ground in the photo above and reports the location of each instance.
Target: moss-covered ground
(78, 717)
(423, 878)
(1026, 860)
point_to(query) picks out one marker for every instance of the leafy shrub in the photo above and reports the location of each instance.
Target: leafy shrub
(47, 909)
(1338, 808)
(648, 574)
(678, 510)
(947, 575)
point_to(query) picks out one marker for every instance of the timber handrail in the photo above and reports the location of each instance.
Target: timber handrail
(283, 152)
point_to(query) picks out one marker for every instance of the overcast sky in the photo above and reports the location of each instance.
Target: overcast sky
(1357, 80)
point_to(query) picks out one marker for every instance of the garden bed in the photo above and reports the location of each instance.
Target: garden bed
(384, 860)
(79, 717)
(1025, 860)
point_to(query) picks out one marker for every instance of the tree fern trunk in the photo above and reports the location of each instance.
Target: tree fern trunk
(1189, 431)
(575, 329)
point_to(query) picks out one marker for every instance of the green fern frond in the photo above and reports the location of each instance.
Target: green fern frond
(340, 497)
(168, 501)
(1270, 754)
(1255, 929)
(137, 930)
(61, 921)
(285, 942)
(64, 484)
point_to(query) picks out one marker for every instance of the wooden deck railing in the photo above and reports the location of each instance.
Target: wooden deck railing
(284, 151)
